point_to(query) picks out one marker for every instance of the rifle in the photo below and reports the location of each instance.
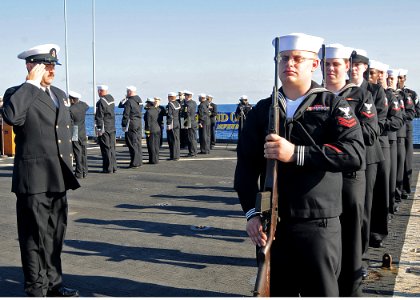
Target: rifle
(267, 200)
(324, 67)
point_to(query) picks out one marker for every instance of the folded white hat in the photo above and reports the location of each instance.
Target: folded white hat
(74, 95)
(300, 41)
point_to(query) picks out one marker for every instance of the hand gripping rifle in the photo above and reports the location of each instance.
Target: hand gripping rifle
(267, 200)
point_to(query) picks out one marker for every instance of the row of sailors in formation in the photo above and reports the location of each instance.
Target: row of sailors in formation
(378, 99)
(181, 126)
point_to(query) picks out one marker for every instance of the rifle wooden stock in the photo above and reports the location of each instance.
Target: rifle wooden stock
(267, 201)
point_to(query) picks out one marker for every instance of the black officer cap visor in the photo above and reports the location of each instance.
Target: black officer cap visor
(357, 58)
(43, 59)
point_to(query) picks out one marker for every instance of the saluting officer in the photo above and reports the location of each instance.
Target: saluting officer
(204, 124)
(319, 138)
(189, 110)
(132, 125)
(354, 183)
(410, 106)
(172, 126)
(42, 171)
(78, 111)
(105, 128)
(213, 120)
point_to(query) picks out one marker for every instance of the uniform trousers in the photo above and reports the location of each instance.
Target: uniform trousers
(192, 141)
(173, 142)
(107, 145)
(408, 167)
(80, 158)
(353, 199)
(204, 133)
(213, 133)
(133, 142)
(380, 201)
(153, 145)
(42, 223)
(306, 258)
(393, 175)
(371, 177)
(400, 169)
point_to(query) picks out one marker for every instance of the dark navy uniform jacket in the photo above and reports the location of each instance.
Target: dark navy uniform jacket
(105, 114)
(395, 118)
(328, 140)
(172, 116)
(78, 117)
(151, 120)
(132, 112)
(363, 106)
(43, 161)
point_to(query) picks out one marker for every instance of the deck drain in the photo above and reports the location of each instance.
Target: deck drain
(199, 227)
(163, 204)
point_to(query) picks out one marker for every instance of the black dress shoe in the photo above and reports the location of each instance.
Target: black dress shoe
(365, 273)
(375, 243)
(63, 292)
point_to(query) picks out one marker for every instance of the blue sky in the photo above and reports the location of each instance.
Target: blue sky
(220, 47)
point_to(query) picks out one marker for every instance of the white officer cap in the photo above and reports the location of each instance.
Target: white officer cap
(172, 94)
(300, 41)
(102, 87)
(74, 95)
(402, 72)
(243, 97)
(336, 51)
(131, 88)
(186, 92)
(46, 53)
(392, 72)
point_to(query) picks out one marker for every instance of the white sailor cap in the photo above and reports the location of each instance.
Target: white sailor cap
(402, 72)
(172, 94)
(102, 87)
(383, 67)
(374, 64)
(131, 88)
(336, 51)
(299, 41)
(202, 95)
(46, 53)
(186, 92)
(156, 98)
(73, 94)
(150, 100)
(243, 97)
(392, 72)
(210, 96)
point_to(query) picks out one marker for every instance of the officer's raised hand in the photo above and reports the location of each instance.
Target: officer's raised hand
(36, 72)
(279, 148)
